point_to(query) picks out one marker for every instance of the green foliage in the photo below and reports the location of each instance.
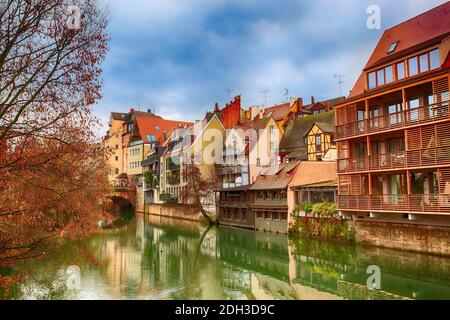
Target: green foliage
(148, 178)
(306, 207)
(324, 209)
(325, 227)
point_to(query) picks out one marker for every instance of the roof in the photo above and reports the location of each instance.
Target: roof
(279, 112)
(325, 127)
(293, 143)
(156, 127)
(314, 172)
(427, 29)
(331, 102)
(275, 177)
(241, 188)
(118, 116)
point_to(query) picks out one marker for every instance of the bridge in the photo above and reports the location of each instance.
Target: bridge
(122, 197)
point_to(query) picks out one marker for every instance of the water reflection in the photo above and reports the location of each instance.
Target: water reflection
(159, 258)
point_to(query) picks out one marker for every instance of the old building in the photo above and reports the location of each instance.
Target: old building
(271, 205)
(393, 132)
(113, 141)
(294, 145)
(234, 207)
(198, 144)
(320, 142)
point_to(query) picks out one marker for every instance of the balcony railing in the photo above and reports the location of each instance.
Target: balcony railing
(396, 203)
(222, 170)
(406, 118)
(398, 160)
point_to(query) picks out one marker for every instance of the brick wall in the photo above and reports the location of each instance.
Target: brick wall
(405, 236)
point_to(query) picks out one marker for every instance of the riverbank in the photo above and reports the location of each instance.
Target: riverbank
(156, 257)
(407, 236)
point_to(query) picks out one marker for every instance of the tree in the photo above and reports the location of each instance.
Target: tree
(199, 191)
(52, 168)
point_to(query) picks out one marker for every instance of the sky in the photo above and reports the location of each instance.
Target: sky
(179, 57)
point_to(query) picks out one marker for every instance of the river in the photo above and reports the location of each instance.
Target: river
(160, 258)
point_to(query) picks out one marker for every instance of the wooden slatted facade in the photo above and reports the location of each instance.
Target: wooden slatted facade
(393, 139)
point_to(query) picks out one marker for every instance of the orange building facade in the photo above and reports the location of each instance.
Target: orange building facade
(393, 131)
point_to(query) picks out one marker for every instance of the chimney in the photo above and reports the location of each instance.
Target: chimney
(313, 100)
(132, 110)
(216, 108)
(300, 103)
(149, 110)
(165, 135)
(328, 106)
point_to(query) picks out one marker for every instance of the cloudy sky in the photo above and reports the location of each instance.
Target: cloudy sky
(181, 56)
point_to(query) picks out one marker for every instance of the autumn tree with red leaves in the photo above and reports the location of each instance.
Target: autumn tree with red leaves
(52, 168)
(199, 190)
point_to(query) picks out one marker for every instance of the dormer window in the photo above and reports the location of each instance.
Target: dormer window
(393, 47)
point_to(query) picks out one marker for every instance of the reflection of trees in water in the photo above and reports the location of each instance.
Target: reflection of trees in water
(158, 258)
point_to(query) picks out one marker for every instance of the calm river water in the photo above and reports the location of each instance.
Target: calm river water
(159, 258)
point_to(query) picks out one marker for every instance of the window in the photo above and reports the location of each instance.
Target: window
(305, 140)
(151, 137)
(372, 80)
(413, 67)
(117, 158)
(260, 215)
(272, 145)
(392, 47)
(157, 128)
(414, 109)
(401, 71)
(116, 171)
(318, 143)
(258, 162)
(424, 63)
(389, 74)
(434, 59)
(272, 129)
(117, 146)
(380, 77)
(273, 162)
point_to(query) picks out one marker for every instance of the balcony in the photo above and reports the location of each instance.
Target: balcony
(430, 157)
(431, 204)
(222, 170)
(403, 119)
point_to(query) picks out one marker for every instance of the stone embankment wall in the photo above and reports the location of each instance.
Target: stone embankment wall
(405, 236)
(177, 211)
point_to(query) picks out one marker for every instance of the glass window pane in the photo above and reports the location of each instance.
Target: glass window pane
(380, 77)
(389, 74)
(400, 70)
(424, 63)
(434, 59)
(413, 67)
(372, 80)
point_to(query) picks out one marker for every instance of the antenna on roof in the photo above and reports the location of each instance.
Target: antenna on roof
(265, 93)
(340, 82)
(286, 94)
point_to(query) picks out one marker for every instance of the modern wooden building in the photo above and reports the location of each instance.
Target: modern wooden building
(393, 131)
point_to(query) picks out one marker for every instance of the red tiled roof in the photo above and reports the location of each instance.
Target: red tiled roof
(150, 126)
(310, 172)
(275, 177)
(425, 27)
(428, 28)
(278, 112)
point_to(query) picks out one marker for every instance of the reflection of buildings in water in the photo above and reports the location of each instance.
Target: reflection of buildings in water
(240, 264)
(236, 282)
